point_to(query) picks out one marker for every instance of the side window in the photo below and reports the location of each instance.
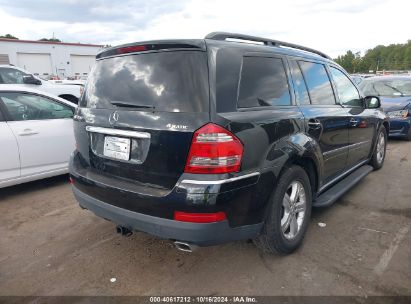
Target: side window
(263, 82)
(22, 106)
(301, 92)
(11, 76)
(347, 92)
(318, 83)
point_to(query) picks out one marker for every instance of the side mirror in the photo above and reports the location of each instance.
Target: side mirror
(29, 79)
(372, 102)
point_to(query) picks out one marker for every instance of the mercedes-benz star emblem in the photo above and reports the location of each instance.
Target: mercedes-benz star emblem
(113, 118)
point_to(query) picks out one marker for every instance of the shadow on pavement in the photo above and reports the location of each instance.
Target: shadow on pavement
(26, 188)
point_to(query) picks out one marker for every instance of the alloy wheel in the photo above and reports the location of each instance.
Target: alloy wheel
(380, 147)
(293, 210)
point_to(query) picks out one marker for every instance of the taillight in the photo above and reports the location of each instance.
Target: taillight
(199, 217)
(214, 150)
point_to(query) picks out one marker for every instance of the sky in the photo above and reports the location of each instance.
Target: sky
(332, 26)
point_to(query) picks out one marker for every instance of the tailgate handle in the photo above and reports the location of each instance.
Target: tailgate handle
(126, 133)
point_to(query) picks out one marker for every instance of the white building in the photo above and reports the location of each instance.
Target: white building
(46, 59)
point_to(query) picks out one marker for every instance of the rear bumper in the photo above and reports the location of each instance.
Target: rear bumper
(399, 127)
(198, 234)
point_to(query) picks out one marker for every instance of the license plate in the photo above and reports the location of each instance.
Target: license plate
(117, 147)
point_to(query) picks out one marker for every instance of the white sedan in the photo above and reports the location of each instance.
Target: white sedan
(36, 135)
(13, 75)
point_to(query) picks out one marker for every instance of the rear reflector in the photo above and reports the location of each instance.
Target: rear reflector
(71, 180)
(214, 150)
(199, 217)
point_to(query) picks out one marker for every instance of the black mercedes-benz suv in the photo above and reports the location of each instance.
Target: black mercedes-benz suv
(225, 138)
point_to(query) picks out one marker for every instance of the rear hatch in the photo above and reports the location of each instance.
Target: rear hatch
(139, 112)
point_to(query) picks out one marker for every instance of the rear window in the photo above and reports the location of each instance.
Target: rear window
(263, 83)
(165, 81)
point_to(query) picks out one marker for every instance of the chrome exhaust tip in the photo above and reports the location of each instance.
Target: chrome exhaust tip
(184, 246)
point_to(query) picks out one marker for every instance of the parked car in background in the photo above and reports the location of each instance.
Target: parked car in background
(395, 95)
(208, 141)
(36, 134)
(80, 82)
(13, 75)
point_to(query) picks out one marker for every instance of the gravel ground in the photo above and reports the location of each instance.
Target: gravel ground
(49, 246)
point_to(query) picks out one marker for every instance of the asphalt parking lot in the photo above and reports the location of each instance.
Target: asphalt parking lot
(49, 246)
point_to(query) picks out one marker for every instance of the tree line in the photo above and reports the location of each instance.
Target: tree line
(9, 36)
(392, 57)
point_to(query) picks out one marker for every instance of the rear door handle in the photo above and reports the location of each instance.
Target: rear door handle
(353, 122)
(28, 132)
(314, 124)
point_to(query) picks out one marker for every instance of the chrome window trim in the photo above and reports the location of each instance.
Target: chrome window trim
(126, 133)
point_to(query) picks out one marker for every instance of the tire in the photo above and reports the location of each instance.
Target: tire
(378, 156)
(272, 238)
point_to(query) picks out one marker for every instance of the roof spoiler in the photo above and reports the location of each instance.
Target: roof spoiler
(265, 41)
(157, 45)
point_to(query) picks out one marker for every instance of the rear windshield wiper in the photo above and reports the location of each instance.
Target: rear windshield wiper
(130, 104)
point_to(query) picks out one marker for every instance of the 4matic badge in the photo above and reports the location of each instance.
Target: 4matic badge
(177, 127)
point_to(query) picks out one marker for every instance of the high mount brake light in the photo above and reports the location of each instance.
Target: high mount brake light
(214, 150)
(131, 49)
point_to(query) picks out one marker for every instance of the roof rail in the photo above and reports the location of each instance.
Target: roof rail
(269, 42)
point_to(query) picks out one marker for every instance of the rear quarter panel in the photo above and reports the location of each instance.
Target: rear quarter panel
(271, 143)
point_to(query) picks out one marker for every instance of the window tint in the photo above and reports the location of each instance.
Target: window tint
(347, 92)
(22, 106)
(319, 85)
(168, 81)
(11, 76)
(301, 93)
(263, 83)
